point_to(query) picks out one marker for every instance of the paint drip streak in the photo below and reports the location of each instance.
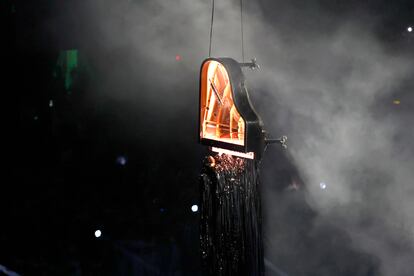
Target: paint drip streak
(230, 229)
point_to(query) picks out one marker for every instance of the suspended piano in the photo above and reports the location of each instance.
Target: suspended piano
(228, 122)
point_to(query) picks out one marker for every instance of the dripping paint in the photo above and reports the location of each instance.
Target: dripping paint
(230, 230)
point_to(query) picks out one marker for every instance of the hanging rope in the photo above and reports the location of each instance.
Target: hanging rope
(211, 27)
(241, 29)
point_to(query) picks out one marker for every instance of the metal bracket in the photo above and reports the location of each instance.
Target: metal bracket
(282, 141)
(252, 65)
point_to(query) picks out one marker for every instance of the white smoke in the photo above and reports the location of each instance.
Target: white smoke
(334, 86)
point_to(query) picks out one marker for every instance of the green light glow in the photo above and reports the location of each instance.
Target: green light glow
(67, 64)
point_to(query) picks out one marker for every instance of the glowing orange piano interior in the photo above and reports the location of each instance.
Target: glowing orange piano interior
(219, 118)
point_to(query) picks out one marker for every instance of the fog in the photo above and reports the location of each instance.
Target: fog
(327, 81)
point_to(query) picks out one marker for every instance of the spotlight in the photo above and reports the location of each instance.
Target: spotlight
(98, 233)
(50, 103)
(322, 185)
(410, 29)
(194, 208)
(121, 160)
(35, 118)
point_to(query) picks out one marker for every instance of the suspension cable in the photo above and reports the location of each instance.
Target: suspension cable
(241, 29)
(211, 27)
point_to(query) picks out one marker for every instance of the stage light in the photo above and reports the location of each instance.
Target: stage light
(323, 185)
(121, 160)
(397, 102)
(98, 233)
(51, 103)
(35, 118)
(194, 208)
(410, 29)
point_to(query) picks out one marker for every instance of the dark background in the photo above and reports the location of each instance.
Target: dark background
(65, 172)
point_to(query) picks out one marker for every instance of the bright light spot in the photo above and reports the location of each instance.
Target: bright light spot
(35, 118)
(51, 103)
(410, 29)
(194, 208)
(121, 160)
(322, 185)
(396, 101)
(177, 57)
(220, 151)
(98, 233)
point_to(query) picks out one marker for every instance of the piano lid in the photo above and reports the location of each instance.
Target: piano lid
(227, 118)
